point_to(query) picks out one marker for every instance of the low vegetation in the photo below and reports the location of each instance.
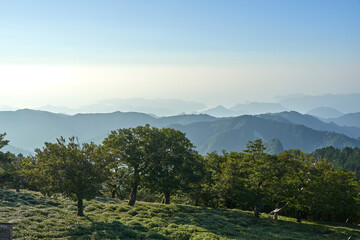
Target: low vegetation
(153, 164)
(39, 217)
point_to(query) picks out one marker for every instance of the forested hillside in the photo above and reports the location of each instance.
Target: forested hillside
(232, 134)
(28, 129)
(312, 122)
(350, 119)
(346, 158)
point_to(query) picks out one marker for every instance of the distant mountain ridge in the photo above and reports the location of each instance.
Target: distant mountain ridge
(158, 107)
(244, 108)
(345, 103)
(350, 119)
(220, 111)
(312, 122)
(325, 112)
(232, 134)
(322, 106)
(29, 129)
(258, 108)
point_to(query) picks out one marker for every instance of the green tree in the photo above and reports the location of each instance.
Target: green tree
(74, 170)
(119, 183)
(173, 164)
(286, 180)
(10, 171)
(255, 149)
(260, 171)
(3, 142)
(208, 195)
(130, 149)
(309, 187)
(312, 186)
(232, 182)
(297, 179)
(346, 158)
(10, 168)
(330, 193)
(241, 179)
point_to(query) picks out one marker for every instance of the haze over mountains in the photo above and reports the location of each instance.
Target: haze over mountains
(324, 106)
(28, 129)
(345, 103)
(210, 130)
(325, 112)
(350, 119)
(158, 107)
(246, 108)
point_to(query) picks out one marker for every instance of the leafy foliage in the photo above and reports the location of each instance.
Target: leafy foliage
(163, 160)
(174, 164)
(75, 171)
(3, 142)
(10, 168)
(347, 158)
(129, 148)
(155, 161)
(308, 187)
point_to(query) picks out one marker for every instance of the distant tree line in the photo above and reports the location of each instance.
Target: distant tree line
(292, 182)
(347, 158)
(154, 164)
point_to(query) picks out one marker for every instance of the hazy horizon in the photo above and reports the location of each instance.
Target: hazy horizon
(67, 53)
(275, 99)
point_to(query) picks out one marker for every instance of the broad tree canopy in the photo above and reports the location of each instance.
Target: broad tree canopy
(74, 170)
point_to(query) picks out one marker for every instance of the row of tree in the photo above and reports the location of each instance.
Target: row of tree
(162, 160)
(292, 182)
(347, 158)
(153, 161)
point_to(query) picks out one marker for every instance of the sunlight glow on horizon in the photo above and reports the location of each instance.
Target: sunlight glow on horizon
(74, 53)
(72, 86)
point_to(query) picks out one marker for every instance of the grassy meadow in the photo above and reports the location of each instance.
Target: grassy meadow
(39, 217)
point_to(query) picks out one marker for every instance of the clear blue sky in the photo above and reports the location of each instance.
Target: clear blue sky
(261, 42)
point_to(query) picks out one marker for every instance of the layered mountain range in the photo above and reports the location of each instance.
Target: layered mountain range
(28, 129)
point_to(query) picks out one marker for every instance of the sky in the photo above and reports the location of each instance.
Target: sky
(73, 53)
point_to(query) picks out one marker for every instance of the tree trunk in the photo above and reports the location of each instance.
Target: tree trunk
(18, 189)
(80, 211)
(112, 189)
(133, 196)
(276, 213)
(257, 211)
(298, 216)
(257, 201)
(166, 198)
(113, 192)
(316, 216)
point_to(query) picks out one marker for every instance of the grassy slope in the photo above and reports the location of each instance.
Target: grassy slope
(55, 218)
